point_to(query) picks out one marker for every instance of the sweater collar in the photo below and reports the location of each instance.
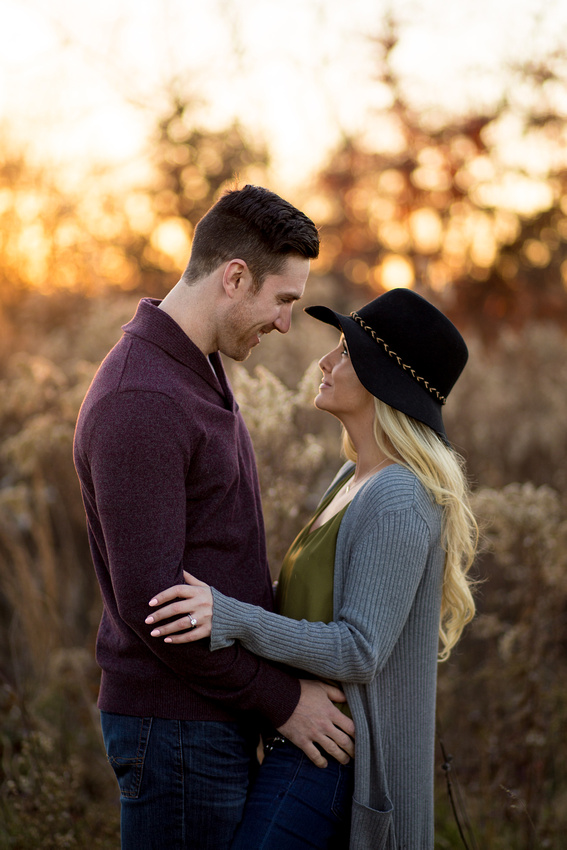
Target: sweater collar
(156, 326)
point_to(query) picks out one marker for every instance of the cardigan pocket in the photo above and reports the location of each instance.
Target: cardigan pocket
(372, 829)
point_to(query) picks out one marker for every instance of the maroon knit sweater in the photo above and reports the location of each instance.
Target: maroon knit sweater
(169, 482)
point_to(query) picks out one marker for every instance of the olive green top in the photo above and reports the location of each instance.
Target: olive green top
(305, 586)
(382, 645)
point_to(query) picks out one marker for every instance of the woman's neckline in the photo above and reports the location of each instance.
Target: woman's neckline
(344, 506)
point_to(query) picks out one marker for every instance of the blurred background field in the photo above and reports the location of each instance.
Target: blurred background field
(468, 205)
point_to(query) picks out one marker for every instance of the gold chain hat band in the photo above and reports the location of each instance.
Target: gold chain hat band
(396, 357)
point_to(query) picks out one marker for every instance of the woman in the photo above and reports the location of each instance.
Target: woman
(374, 584)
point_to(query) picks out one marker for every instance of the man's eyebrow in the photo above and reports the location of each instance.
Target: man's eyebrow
(288, 296)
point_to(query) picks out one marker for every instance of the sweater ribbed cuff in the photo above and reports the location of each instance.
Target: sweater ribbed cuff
(226, 626)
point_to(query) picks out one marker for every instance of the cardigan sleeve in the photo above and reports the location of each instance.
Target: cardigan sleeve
(383, 555)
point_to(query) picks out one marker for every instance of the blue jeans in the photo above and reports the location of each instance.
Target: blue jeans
(292, 804)
(183, 784)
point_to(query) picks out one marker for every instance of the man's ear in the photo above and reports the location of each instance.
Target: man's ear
(236, 279)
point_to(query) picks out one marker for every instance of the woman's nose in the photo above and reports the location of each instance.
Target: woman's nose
(326, 363)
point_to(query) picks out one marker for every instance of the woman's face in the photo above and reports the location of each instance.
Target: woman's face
(340, 391)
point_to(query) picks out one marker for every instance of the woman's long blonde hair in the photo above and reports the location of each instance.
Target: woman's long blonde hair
(441, 471)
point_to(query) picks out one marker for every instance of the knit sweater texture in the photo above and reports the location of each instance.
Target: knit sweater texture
(382, 646)
(169, 482)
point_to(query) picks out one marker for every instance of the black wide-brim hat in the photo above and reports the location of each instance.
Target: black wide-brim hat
(404, 351)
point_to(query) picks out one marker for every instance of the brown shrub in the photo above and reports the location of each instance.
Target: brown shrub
(502, 703)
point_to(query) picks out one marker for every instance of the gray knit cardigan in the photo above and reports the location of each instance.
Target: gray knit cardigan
(382, 646)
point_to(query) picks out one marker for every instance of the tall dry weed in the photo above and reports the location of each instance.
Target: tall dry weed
(290, 458)
(46, 580)
(55, 787)
(40, 543)
(508, 411)
(502, 697)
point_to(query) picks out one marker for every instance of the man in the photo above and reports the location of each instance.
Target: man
(169, 482)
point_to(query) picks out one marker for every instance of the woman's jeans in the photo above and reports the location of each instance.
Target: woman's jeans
(292, 804)
(183, 784)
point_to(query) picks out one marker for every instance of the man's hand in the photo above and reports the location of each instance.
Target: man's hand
(317, 721)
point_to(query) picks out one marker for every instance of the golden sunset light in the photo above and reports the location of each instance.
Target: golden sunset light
(82, 82)
(427, 142)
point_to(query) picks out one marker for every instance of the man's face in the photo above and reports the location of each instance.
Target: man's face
(254, 315)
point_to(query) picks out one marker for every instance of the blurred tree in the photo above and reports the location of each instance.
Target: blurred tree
(192, 166)
(471, 208)
(195, 165)
(57, 238)
(32, 212)
(102, 234)
(146, 233)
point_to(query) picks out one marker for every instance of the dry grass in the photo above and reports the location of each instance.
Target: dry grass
(502, 700)
(502, 697)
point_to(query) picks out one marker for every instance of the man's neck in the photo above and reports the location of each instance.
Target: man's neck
(191, 307)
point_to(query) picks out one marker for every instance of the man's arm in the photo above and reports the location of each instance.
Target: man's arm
(138, 468)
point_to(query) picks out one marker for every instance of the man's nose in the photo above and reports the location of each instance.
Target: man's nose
(283, 322)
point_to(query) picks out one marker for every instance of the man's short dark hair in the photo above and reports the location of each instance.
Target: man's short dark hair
(256, 226)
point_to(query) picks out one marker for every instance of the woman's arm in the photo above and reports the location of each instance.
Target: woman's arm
(383, 573)
(386, 554)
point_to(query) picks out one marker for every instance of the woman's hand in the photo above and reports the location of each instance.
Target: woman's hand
(193, 604)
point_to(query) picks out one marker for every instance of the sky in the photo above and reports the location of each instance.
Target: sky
(84, 81)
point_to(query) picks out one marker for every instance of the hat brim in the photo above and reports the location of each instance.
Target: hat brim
(381, 373)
